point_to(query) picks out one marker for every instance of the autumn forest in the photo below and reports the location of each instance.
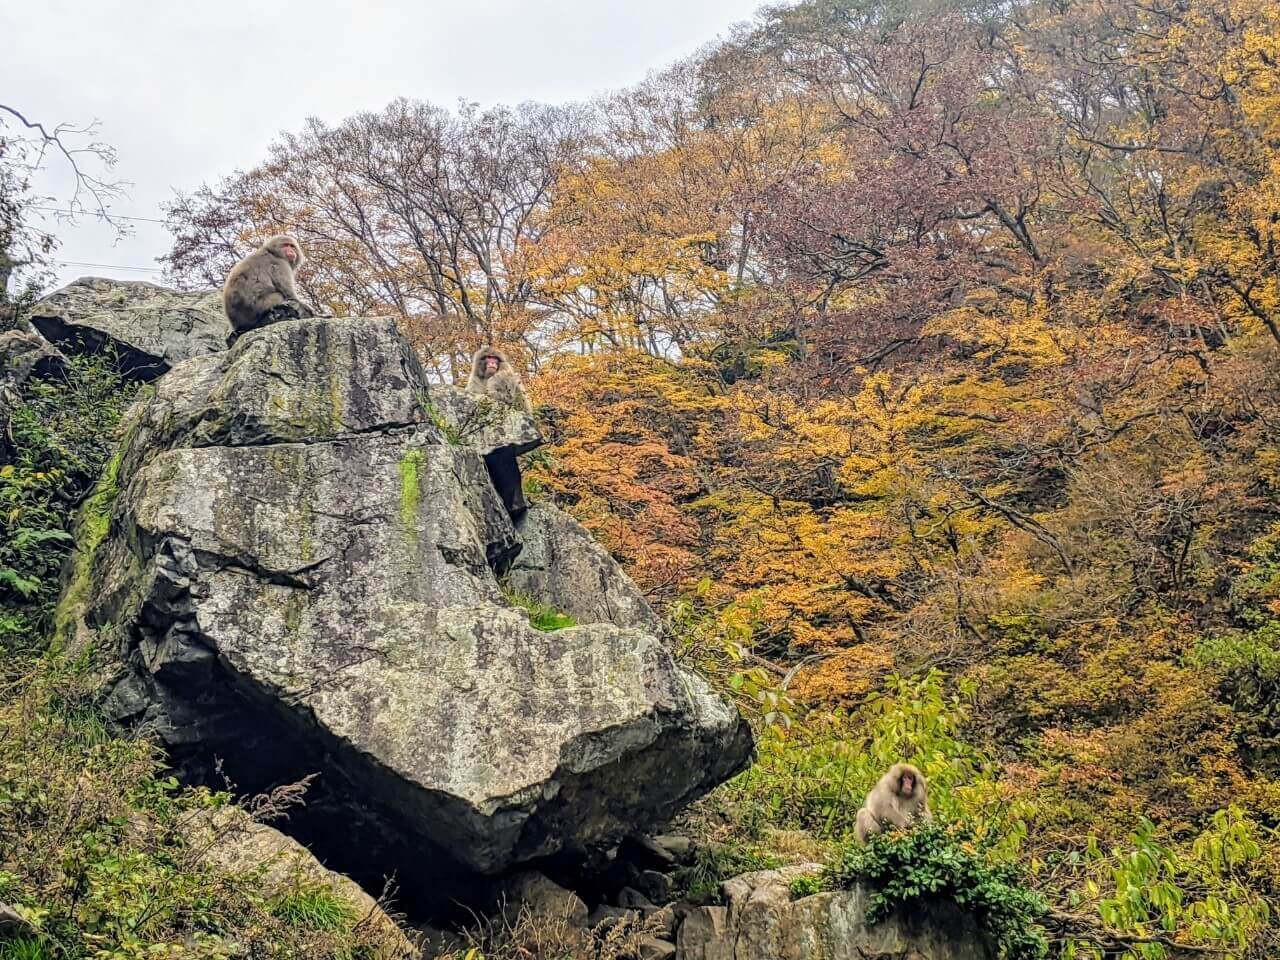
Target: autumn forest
(920, 360)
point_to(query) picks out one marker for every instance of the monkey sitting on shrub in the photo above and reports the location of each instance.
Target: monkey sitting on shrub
(899, 800)
(493, 377)
(260, 291)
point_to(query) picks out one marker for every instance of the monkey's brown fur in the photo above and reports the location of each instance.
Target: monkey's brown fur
(259, 289)
(888, 806)
(503, 386)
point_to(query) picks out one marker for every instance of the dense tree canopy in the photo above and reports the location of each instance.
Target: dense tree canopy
(888, 337)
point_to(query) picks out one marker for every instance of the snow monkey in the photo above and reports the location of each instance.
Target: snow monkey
(898, 801)
(260, 291)
(492, 376)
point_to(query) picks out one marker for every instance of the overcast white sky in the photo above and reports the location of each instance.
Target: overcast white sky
(190, 91)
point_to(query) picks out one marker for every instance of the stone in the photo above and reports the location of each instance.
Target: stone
(564, 567)
(543, 897)
(633, 899)
(760, 921)
(655, 885)
(482, 425)
(14, 924)
(298, 578)
(703, 934)
(230, 841)
(24, 356)
(652, 948)
(679, 848)
(642, 849)
(498, 433)
(663, 922)
(149, 329)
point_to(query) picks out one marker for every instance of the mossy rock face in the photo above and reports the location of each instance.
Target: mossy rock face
(297, 576)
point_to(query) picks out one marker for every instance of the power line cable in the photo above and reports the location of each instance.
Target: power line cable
(94, 213)
(107, 266)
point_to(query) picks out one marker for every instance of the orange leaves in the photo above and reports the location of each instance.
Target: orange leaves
(845, 676)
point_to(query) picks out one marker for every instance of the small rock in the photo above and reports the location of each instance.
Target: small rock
(651, 948)
(24, 355)
(702, 933)
(545, 897)
(658, 887)
(644, 850)
(633, 899)
(680, 849)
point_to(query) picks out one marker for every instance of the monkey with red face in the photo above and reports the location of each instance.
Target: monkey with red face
(493, 377)
(260, 288)
(898, 801)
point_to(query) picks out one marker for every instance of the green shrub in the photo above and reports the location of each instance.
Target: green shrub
(937, 862)
(806, 886)
(63, 433)
(815, 775)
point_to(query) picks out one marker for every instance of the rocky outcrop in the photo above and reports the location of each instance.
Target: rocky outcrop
(760, 921)
(24, 355)
(148, 329)
(563, 565)
(298, 578)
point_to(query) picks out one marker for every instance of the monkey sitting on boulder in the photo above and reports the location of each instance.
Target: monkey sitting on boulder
(492, 376)
(899, 800)
(259, 290)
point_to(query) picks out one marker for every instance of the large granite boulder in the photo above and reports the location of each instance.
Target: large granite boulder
(297, 577)
(760, 921)
(148, 328)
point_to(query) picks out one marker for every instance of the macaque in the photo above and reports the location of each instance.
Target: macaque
(492, 376)
(260, 291)
(898, 800)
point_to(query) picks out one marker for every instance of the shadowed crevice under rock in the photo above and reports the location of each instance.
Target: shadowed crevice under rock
(298, 579)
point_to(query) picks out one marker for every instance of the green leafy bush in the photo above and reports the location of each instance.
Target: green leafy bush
(815, 775)
(806, 886)
(63, 432)
(937, 862)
